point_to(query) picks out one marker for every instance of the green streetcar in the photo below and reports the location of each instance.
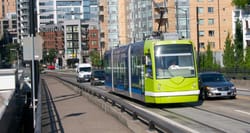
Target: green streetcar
(153, 71)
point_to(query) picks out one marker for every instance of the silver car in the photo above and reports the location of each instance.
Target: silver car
(214, 84)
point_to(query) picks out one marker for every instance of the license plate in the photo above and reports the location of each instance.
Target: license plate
(224, 93)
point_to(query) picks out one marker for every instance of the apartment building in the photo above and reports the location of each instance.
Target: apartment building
(53, 37)
(8, 27)
(8, 19)
(6, 7)
(215, 22)
(23, 23)
(124, 22)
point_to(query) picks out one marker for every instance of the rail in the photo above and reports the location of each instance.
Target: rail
(154, 121)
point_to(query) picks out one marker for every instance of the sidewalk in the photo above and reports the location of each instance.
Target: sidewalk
(75, 113)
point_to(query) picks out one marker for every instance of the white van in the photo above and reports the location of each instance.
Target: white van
(83, 72)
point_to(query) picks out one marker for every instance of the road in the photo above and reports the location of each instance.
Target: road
(213, 115)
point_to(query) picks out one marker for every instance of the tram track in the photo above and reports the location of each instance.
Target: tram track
(214, 120)
(201, 124)
(219, 114)
(209, 120)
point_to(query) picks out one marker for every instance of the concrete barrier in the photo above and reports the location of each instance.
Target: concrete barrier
(8, 100)
(241, 83)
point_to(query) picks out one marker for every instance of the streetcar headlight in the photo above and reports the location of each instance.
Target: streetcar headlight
(194, 85)
(159, 86)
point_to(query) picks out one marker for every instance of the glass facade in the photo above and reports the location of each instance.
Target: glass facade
(140, 16)
(113, 25)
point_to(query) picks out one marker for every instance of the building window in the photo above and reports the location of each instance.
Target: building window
(75, 28)
(211, 33)
(210, 0)
(200, 10)
(210, 9)
(93, 35)
(201, 21)
(69, 36)
(210, 21)
(199, 0)
(237, 14)
(201, 33)
(69, 29)
(202, 45)
(94, 43)
(212, 44)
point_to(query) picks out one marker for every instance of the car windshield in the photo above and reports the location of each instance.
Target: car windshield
(174, 60)
(213, 78)
(85, 69)
(98, 73)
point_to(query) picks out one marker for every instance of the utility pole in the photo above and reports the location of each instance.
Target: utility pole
(198, 38)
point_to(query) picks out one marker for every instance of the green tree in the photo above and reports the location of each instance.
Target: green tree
(228, 56)
(240, 3)
(238, 45)
(207, 60)
(52, 55)
(95, 58)
(247, 59)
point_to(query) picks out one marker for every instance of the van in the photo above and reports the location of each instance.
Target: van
(83, 72)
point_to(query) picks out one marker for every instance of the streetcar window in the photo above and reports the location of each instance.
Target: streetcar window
(174, 60)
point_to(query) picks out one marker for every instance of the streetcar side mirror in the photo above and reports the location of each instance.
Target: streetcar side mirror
(147, 61)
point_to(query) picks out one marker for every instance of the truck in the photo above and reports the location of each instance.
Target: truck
(83, 72)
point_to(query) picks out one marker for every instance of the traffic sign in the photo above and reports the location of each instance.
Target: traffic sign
(28, 49)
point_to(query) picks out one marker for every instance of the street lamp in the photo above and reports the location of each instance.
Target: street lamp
(17, 54)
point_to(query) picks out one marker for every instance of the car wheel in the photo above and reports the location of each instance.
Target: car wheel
(203, 95)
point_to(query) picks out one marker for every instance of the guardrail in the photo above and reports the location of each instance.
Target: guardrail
(153, 121)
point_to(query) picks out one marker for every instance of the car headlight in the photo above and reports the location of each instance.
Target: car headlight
(95, 78)
(211, 88)
(232, 88)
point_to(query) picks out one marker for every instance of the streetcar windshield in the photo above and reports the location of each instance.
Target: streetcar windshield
(174, 60)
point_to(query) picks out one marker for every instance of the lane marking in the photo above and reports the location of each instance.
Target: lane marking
(243, 112)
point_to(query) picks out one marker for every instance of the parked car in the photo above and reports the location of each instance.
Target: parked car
(214, 84)
(97, 77)
(51, 67)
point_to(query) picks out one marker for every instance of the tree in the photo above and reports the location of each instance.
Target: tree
(207, 60)
(52, 55)
(95, 58)
(240, 3)
(228, 56)
(247, 59)
(238, 45)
